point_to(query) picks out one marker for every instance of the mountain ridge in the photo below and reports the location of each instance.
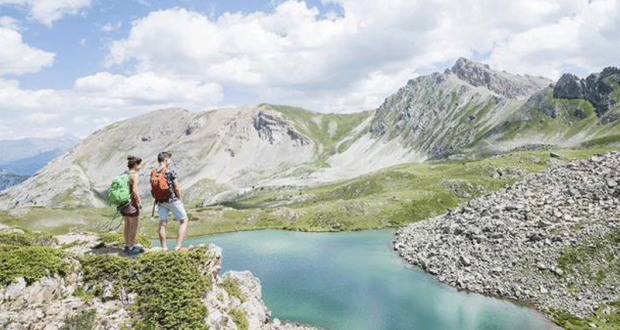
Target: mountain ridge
(466, 111)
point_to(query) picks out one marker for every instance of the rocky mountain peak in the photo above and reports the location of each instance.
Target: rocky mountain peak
(501, 82)
(596, 88)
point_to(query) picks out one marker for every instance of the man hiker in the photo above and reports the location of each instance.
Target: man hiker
(167, 194)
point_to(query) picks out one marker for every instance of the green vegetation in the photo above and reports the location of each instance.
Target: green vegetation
(585, 257)
(105, 269)
(240, 319)
(607, 317)
(232, 288)
(169, 286)
(31, 263)
(27, 239)
(84, 320)
(113, 238)
(571, 118)
(387, 198)
(326, 130)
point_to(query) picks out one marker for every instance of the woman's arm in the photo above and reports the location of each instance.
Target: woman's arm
(135, 192)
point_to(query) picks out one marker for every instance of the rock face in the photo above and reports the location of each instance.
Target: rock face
(502, 83)
(446, 113)
(51, 302)
(550, 239)
(469, 109)
(212, 151)
(594, 89)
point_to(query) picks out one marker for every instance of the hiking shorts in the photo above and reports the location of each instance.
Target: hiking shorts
(175, 207)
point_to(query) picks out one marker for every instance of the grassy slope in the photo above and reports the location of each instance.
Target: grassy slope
(316, 126)
(566, 125)
(387, 198)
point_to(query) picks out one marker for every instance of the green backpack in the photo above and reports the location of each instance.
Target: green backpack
(119, 193)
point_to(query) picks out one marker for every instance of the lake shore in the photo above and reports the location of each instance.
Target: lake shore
(550, 240)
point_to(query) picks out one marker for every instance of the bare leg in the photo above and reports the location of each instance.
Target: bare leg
(162, 235)
(181, 235)
(126, 229)
(133, 230)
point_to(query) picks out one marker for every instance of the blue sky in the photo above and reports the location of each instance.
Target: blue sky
(75, 59)
(72, 66)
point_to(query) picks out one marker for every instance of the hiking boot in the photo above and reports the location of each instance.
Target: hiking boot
(136, 250)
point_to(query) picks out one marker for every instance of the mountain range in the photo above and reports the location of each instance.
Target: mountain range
(23, 157)
(469, 110)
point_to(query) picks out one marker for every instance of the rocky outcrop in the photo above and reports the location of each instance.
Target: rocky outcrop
(59, 302)
(229, 148)
(593, 89)
(274, 128)
(551, 239)
(568, 86)
(503, 83)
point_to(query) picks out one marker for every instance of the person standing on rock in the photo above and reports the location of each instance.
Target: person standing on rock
(131, 211)
(167, 194)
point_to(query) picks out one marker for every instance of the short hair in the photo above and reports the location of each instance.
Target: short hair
(163, 156)
(133, 161)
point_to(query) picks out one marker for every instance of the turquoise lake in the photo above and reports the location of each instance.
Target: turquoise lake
(355, 281)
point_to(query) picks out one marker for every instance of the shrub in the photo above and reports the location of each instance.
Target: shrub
(99, 269)
(84, 320)
(27, 239)
(31, 263)
(169, 288)
(230, 285)
(240, 319)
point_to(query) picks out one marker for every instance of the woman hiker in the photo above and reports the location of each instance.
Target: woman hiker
(131, 211)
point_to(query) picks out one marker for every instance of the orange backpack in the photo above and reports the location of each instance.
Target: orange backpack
(159, 184)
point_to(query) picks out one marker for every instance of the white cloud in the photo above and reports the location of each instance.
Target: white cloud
(80, 119)
(96, 99)
(51, 132)
(295, 54)
(149, 87)
(83, 42)
(17, 57)
(41, 117)
(9, 23)
(109, 27)
(48, 11)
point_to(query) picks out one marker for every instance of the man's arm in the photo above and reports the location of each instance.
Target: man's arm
(177, 190)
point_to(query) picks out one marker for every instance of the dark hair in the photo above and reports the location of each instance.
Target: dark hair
(133, 161)
(163, 156)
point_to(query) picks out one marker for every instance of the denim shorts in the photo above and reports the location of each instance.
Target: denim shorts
(175, 207)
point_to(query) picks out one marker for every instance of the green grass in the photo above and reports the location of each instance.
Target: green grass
(585, 257)
(606, 317)
(316, 126)
(390, 197)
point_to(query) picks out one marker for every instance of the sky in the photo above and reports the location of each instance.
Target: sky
(74, 66)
